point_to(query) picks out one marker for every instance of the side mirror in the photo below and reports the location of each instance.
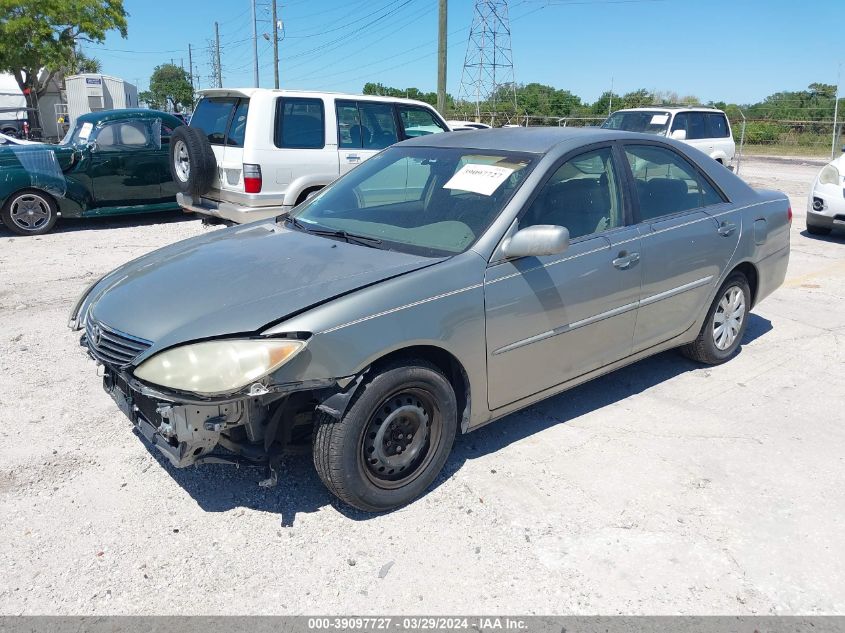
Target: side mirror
(679, 135)
(536, 241)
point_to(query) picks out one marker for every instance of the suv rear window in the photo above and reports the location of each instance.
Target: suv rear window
(212, 117)
(300, 123)
(717, 126)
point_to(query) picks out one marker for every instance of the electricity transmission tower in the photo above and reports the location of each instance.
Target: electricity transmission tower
(487, 78)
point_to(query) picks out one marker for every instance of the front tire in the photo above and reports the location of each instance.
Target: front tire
(29, 212)
(393, 440)
(725, 325)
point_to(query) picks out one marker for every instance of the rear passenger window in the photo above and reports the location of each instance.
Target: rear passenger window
(212, 117)
(697, 125)
(379, 124)
(300, 123)
(666, 183)
(583, 195)
(418, 121)
(717, 126)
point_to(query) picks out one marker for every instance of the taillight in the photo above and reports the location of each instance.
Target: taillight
(788, 214)
(252, 178)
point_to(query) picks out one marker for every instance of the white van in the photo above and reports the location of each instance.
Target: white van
(254, 153)
(706, 129)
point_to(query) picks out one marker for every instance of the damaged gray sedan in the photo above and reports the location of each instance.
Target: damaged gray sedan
(444, 283)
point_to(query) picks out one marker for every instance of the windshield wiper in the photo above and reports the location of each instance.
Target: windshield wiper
(351, 238)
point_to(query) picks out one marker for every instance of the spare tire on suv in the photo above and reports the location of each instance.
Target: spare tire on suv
(192, 162)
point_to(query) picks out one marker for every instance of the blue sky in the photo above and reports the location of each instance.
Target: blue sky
(721, 50)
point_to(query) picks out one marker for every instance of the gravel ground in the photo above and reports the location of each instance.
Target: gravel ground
(663, 488)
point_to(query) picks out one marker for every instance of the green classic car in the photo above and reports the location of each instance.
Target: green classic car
(112, 162)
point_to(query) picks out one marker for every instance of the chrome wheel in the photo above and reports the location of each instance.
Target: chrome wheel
(728, 318)
(30, 212)
(181, 161)
(398, 440)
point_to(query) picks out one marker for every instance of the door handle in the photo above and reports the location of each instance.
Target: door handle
(726, 228)
(624, 260)
(353, 158)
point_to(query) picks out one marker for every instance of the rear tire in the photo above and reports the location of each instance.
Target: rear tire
(812, 229)
(724, 327)
(392, 441)
(192, 161)
(29, 212)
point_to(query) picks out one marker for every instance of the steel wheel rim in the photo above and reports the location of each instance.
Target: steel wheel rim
(30, 212)
(400, 438)
(181, 161)
(728, 318)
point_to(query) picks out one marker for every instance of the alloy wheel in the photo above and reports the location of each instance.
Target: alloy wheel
(181, 161)
(30, 212)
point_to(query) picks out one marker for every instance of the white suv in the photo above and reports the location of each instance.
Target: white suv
(706, 129)
(254, 153)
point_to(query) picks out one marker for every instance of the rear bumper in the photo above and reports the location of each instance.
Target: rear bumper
(240, 214)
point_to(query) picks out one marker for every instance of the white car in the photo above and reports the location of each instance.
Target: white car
(5, 139)
(826, 202)
(254, 153)
(706, 129)
(456, 126)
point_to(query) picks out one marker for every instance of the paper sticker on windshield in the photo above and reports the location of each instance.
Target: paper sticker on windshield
(659, 119)
(483, 179)
(85, 131)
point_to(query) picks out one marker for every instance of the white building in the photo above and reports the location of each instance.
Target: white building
(93, 92)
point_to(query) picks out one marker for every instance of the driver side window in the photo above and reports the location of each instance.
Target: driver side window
(584, 195)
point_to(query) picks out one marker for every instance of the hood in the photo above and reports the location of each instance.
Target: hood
(235, 281)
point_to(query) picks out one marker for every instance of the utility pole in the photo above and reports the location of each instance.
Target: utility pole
(835, 113)
(217, 55)
(276, 45)
(254, 45)
(441, 58)
(191, 66)
(610, 99)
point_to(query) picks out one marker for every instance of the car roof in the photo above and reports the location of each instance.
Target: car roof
(670, 109)
(101, 116)
(251, 92)
(534, 140)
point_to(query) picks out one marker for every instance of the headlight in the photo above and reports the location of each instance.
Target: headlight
(829, 175)
(217, 366)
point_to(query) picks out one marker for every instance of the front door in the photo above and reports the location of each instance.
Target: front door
(125, 165)
(689, 234)
(364, 128)
(553, 318)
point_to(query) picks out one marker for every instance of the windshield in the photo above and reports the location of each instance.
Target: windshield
(647, 121)
(78, 135)
(423, 200)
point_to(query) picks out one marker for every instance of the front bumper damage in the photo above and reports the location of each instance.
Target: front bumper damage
(245, 428)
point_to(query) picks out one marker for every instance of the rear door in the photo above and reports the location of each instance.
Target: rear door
(719, 131)
(213, 116)
(231, 178)
(364, 128)
(689, 233)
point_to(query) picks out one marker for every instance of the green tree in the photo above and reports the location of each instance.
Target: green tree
(38, 38)
(82, 64)
(170, 89)
(605, 102)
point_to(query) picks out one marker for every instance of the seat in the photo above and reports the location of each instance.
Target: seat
(664, 195)
(360, 136)
(579, 204)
